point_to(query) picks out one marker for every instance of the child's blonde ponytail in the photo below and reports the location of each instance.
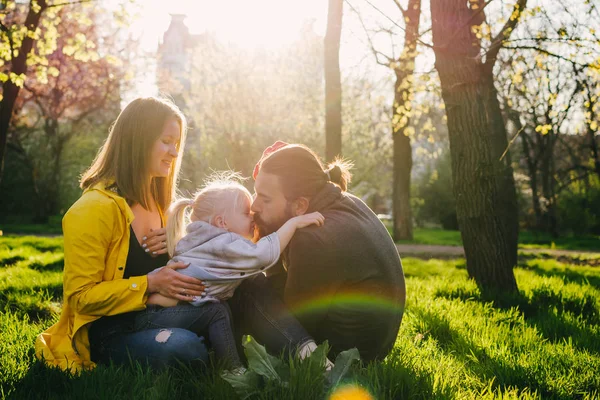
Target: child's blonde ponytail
(176, 223)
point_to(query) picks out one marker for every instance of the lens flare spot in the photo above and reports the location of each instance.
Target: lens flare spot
(351, 392)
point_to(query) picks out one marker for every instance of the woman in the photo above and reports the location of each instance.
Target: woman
(114, 238)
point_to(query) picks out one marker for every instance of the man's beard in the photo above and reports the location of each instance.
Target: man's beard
(265, 229)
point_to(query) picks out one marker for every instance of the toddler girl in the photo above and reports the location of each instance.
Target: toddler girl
(218, 247)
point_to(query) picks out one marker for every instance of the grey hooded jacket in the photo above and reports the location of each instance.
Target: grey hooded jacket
(222, 259)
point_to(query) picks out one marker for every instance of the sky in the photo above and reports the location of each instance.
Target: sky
(257, 23)
(246, 23)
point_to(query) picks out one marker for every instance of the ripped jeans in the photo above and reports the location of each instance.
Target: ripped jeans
(255, 308)
(211, 320)
(154, 333)
(157, 348)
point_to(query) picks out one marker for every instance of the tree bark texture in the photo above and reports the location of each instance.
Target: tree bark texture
(403, 229)
(403, 87)
(10, 91)
(483, 183)
(506, 201)
(333, 84)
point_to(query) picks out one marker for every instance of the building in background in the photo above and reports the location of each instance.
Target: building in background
(174, 59)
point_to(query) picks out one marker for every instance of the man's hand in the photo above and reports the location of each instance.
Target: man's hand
(170, 283)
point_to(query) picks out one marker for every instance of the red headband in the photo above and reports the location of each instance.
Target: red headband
(271, 149)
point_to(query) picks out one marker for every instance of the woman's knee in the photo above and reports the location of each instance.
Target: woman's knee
(182, 345)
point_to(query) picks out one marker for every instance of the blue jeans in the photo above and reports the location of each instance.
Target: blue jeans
(180, 346)
(258, 311)
(255, 308)
(211, 320)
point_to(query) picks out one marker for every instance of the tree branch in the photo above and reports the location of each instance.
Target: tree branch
(474, 16)
(549, 39)
(70, 3)
(492, 53)
(551, 54)
(566, 184)
(402, 10)
(395, 23)
(375, 52)
(511, 142)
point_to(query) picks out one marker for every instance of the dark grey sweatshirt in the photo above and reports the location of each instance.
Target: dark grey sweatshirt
(344, 280)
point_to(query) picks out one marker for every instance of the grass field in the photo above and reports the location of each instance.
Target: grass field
(527, 240)
(452, 344)
(430, 236)
(22, 225)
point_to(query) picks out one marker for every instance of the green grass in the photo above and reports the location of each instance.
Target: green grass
(453, 344)
(536, 240)
(438, 237)
(431, 236)
(527, 240)
(20, 225)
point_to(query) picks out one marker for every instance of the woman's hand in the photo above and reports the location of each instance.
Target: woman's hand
(170, 283)
(155, 242)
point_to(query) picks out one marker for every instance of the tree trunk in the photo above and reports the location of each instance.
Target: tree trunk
(333, 83)
(46, 183)
(594, 150)
(548, 184)
(531, 160)
(506, 200)
(403, 88)
(10, 91)
(532, 171)
(401, 190)
(486, 214)
(590, 107)
(545, 175)
(552, 210)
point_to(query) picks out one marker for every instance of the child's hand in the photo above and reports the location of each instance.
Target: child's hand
(305, 220)
(286, 232)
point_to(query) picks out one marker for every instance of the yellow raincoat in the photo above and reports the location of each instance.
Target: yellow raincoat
(96, 235)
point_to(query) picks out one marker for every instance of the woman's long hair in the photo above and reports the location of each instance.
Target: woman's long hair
(125, 155)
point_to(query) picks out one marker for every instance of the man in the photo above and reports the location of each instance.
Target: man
(343, 281)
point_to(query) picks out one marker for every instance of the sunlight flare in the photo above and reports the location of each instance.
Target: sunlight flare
(351, 392)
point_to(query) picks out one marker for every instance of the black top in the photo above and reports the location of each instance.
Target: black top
(344, 280)
(138, 263)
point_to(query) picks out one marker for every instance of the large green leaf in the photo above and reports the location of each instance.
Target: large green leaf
(244, 385)
(319, 356)
(342, 364)
(261, 362)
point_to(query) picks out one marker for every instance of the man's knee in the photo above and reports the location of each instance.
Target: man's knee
(257, 282)
(219, 311)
